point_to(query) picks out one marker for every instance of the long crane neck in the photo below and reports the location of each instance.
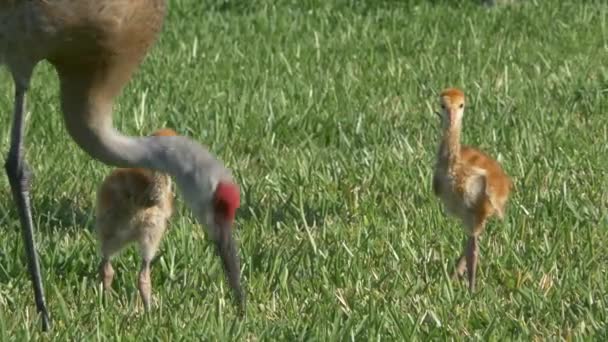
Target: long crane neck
(449, 151)
(87, 97)
(192, 166)
(195, 170)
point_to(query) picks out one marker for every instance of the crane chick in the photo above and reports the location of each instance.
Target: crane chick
(133, 205)
(472, 186)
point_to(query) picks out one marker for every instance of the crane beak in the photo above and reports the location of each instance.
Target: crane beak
(227, 251)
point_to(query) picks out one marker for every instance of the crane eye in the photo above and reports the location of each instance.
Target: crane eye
(461, 105)
(442, 106)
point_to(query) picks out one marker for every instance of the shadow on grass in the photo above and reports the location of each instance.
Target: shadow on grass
(50, 214)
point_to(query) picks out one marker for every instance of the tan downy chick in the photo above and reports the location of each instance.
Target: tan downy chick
(133, 205)
(472, 186)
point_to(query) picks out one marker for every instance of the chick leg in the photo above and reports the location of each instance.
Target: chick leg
(106, 273)
(145, 284)
(109, 245)
(148, 246)
(461, 267)
(472, 251)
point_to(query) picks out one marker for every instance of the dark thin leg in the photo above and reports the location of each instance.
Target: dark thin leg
(19, 178)
(471, 257)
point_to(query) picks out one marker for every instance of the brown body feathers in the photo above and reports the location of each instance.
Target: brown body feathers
(471, 185)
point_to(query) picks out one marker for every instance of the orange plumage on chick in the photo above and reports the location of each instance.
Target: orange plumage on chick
(133, 205)
(471, 185)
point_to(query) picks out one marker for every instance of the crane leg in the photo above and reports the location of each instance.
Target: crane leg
(19, 176)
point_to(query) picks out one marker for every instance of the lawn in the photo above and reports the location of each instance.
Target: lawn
(324, 110)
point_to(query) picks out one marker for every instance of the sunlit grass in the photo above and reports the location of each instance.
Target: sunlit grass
(324, 110)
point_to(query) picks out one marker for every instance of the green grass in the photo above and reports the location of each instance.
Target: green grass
(324, 110)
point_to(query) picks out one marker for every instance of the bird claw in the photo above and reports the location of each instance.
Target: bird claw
(460, 269)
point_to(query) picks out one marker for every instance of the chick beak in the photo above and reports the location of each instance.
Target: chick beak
(451, 115)
(227, 250)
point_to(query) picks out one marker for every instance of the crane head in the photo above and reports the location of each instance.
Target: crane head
(452, 106)
(225, 201)
(213, 196)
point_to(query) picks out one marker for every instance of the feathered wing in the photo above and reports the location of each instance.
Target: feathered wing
(499, 201)
(475, 187)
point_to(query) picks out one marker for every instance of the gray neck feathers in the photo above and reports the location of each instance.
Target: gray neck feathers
(195, 170)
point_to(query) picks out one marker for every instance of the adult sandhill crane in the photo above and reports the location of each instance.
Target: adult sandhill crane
(472, 186)
(95, 46)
